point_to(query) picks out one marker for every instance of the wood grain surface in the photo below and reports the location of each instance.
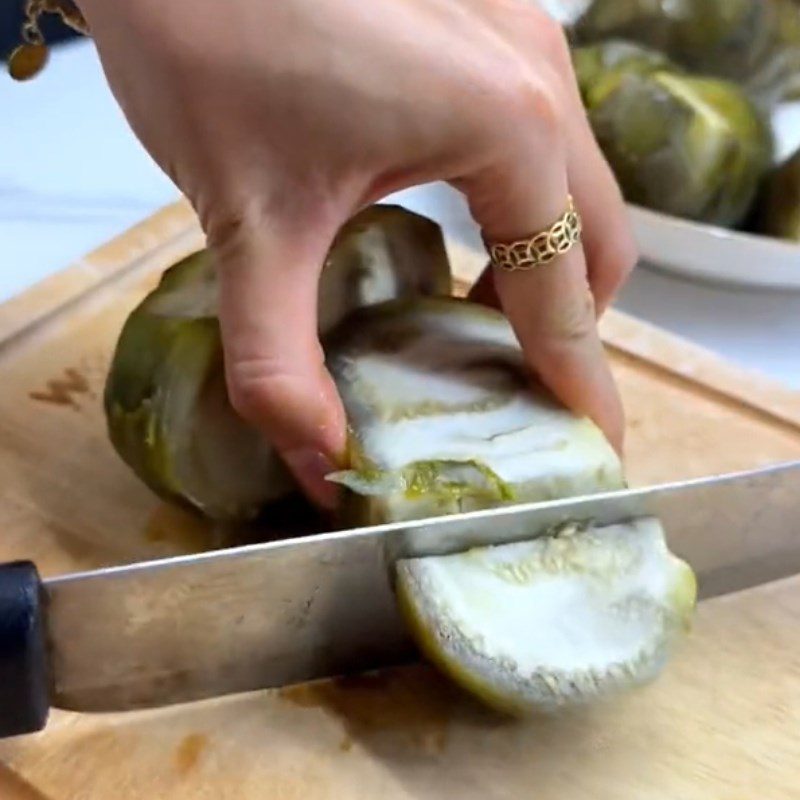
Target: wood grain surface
(720, 725)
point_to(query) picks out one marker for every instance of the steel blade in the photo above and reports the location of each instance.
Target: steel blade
(272, 614)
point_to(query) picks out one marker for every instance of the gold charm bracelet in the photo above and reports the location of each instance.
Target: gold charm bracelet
(30, 57)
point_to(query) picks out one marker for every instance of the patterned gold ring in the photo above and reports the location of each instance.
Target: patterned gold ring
(541, 248)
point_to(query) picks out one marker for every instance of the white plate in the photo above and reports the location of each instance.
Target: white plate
(709, 253)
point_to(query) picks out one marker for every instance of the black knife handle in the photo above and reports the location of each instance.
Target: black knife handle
(24, 674)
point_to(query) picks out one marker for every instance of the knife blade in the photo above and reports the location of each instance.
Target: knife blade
(186, 628)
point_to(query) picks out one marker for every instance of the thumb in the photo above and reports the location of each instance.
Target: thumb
(274, 364)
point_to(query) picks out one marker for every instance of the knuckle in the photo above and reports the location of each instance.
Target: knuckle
(243, 222)
(260, 388)
(529, 104)
(554, 44)
(574, 320)
(546, 36)
(229, 224)
(539, 102)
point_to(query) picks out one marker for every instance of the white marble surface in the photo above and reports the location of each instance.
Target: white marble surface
(72, 176)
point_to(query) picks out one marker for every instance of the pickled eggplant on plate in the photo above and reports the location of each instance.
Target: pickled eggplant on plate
(755, 43)
(166, 402)
(690, 146)
(594, 63)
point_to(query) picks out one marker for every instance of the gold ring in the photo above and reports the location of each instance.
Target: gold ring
(541, 248)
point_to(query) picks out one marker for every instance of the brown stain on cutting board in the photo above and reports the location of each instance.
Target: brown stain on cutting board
(395, 710)
(62, 391)
(189, 752)
(179, 530)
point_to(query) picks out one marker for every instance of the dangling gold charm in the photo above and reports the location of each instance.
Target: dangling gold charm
(27, 60)
(30, 58)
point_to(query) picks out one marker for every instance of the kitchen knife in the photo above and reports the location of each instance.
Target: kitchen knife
(271, 614)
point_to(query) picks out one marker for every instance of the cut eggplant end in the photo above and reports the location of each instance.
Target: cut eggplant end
(559, 621)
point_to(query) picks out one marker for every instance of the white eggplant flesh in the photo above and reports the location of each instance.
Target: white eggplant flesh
(445, 417)
(564, 620)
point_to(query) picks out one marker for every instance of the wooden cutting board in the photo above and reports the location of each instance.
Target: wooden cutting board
(720, 725)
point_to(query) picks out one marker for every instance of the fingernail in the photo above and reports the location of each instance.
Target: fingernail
(311, 467)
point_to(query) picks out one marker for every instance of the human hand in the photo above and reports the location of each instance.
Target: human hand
(279, 120)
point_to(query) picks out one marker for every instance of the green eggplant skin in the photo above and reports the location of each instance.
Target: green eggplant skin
(594, 63)
(693, 147)
(166, 404)
(754, 43)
